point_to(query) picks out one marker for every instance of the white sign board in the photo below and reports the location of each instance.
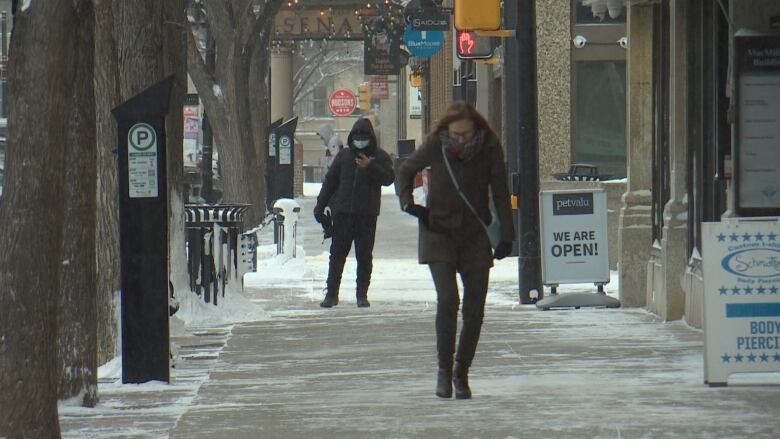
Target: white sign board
(741, 297)
(142, 161)
(285, 150)
(575, 246)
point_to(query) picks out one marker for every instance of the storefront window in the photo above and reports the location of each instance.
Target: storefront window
(599, 11)
(600, 123)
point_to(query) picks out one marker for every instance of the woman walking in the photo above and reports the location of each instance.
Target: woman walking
(466, 166)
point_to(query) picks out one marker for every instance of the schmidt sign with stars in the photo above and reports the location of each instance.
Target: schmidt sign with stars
(741, 298)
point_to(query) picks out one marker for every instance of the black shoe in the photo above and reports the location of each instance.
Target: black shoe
(444, 383)
(460, 378)
(330, 301)
(362, 302)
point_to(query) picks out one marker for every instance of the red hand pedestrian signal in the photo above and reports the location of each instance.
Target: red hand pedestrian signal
(472, 46)
(466, 43)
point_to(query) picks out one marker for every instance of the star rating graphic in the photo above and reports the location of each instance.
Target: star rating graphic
(733, 237)
(721, 238)
(751, 358)
(771, 237)
(759, 236)
(747, 290)
(746, 237)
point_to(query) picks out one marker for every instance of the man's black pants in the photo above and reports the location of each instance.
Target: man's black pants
(348, 228)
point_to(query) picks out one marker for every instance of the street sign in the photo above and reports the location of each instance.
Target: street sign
(342, 102)
(741, 297)
(423, 44)
(142, 161)
(575, 246)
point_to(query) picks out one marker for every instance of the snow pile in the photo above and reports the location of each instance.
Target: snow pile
(272, 267)
(233, 307)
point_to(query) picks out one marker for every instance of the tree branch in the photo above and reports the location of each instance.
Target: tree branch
(204, 81)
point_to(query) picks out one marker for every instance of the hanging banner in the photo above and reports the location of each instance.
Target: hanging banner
(382, 48)
(191, 130)
(741, 297)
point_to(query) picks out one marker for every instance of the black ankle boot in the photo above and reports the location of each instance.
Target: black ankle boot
(444, 383)
(460, 379)
(362, 302)
(331, 300)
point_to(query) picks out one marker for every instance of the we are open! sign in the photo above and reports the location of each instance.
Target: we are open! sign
(342, 102)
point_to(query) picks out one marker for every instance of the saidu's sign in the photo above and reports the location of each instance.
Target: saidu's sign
(757, 178)
(741, 297)
(142, 161)
(574, 236)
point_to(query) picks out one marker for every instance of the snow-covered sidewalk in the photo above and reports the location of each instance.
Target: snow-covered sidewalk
(299, 371)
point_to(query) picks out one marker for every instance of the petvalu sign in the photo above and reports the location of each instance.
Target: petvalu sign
(574, 237)
(741, 298)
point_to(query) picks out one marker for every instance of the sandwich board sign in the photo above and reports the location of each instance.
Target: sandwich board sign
(575, 247)
(741, 297)
(574, 237)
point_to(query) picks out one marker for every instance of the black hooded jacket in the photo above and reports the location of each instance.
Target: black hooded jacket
(351, 189)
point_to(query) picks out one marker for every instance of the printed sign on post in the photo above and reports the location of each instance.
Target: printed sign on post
(285, 150)
(142, 161)
(741, 297)
(574, 237)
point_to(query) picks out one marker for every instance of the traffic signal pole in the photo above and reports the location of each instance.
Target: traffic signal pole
(523, 141)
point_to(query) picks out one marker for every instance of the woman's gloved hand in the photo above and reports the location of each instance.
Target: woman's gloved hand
(419, 211)
(503, 250)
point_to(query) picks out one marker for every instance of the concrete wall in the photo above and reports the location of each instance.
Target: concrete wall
(553, 36)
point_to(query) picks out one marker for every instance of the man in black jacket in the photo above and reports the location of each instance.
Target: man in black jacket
(353, 191)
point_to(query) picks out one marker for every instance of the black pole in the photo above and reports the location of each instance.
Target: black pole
(522, 131)
(207, 173)
(4, 61)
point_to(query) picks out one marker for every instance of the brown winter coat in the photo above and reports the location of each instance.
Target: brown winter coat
(454, 235)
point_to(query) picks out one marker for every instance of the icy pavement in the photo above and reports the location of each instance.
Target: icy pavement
(307, 372)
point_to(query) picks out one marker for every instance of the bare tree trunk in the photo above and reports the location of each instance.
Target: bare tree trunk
(234, 95)
(107, 230)
(77, 313)
(175, 62)
(41, 76)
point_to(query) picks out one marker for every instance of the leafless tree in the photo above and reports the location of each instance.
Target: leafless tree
(235, 94)
(42, 75)
(317, 65)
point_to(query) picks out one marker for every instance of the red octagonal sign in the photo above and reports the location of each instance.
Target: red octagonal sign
(342, 102)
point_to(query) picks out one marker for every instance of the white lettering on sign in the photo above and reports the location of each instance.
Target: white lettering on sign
(142, 161)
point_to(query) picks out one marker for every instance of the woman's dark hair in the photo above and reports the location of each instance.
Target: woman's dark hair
(462, 110)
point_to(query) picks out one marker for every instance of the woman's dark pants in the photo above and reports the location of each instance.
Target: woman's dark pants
(475, 285)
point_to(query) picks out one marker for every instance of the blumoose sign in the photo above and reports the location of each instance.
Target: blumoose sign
(741, 298)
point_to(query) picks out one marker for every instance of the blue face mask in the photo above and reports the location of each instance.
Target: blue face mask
(361, 143)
